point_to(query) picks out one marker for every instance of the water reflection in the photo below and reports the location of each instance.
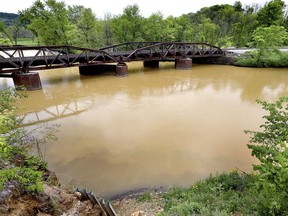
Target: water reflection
(155, 127)
(52, 113)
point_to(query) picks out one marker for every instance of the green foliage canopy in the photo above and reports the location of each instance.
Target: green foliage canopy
(270, 146)
(270, 37)
(48, 21)
(128, 26)
(223, 24)
(271, 13)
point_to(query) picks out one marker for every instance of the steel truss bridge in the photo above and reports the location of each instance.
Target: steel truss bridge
(23, 59)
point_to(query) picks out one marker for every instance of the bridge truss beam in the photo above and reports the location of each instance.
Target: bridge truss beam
(18, 61)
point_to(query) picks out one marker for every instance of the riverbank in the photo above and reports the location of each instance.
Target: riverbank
(52, 201)
(55, 200)
(249, 58)
(233, 193)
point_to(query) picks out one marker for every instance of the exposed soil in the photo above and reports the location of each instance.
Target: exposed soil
(56, 201)
(52, 201)
(129, 203)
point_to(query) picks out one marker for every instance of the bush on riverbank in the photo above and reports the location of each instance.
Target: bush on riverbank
(16, 164)
(224, 194)
(267, 41)
(21, 174)
(263, 59)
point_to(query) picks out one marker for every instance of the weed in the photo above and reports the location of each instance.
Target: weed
(145, 197)
(28, 179)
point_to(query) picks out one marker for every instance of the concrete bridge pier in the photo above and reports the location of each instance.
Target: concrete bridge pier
(31, 81)
(151, 64)
(122, 69)
(183, 63)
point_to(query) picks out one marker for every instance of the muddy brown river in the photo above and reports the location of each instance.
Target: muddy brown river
(156, 127)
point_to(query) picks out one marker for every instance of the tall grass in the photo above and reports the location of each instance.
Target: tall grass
(26, 42)
(223, 194)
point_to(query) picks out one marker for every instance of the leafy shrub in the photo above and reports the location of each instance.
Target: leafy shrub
(15, 144)
(269, 58)
(270, 147)
(28, 179)
(35, 163)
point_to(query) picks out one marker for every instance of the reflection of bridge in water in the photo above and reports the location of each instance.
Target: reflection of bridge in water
(84, 103)
(52, 113)
(81, 101)
(16, 63)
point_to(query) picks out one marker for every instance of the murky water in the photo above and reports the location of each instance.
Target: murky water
(156, 127)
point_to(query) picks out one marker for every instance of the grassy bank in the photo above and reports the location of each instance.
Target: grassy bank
(263, 58)
(20, 42)
(235, 193)
(223, 194)
(26, 42)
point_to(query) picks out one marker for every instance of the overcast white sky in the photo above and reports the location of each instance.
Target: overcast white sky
(147, 7)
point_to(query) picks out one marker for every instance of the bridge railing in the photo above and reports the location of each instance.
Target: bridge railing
(127, 46)
(23, 59)
(175, 50)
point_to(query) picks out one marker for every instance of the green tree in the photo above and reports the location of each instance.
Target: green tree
(226, 22)
(270, 147)
(48, 21)
(268, 39)
(107, 27)
(238, 7)
(6, 34)
(74, 12)
(171, 29)
(271, 13)
(129, 26)
(226, 17)
(15, 30)
(88, 28)
(285, 21)
(154, 27)
(185, 29)
(206, 31)
(243, 30)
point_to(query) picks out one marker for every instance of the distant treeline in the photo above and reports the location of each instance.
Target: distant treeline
(8, 18)
(54, 22)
